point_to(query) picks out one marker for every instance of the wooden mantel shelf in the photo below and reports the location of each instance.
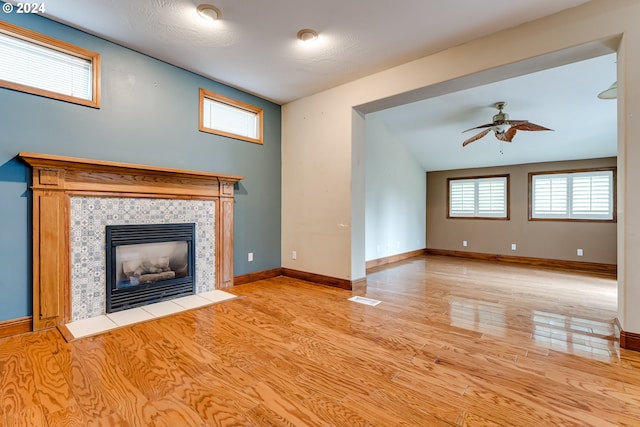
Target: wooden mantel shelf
(77, 174)
(52, 160)
(56, 178)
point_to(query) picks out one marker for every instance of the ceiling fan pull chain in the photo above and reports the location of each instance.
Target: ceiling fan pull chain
(501, 147)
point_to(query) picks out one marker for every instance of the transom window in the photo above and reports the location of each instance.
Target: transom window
(573, 195)
(34, 63)
(481, 197)
(227, 117)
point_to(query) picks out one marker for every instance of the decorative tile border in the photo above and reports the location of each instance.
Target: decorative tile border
(90, 216)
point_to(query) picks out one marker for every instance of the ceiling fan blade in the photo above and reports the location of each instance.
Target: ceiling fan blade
(508, 135)
(488, 125)
(476, 137)
(528, 126)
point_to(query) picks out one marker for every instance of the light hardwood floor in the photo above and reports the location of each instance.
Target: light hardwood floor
(454, 342)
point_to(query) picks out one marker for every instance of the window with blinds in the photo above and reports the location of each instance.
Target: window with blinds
(484, 197)
(34, 63)
(227, 117)
(584, 195)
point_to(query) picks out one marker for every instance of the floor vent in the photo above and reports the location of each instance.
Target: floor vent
(366, 301)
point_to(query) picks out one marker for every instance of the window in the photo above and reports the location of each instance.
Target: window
(228, 117)
(483, 197)
(573, 195)
(34, 63)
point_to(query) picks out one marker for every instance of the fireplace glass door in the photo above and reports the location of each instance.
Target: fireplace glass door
(148, 264)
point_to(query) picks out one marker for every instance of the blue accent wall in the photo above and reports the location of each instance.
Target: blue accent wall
(148, 115)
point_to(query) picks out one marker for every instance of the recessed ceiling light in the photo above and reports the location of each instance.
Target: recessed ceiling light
(209, 12)
(307, 35)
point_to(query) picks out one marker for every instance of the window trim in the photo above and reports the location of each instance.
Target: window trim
(612, 169)
(493, 218)
(206, 94)
(60, 46)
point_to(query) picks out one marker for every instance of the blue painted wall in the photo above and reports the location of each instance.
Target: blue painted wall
(149, 115)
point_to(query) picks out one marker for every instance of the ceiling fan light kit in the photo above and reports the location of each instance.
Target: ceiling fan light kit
(503, 128)
(610, 93)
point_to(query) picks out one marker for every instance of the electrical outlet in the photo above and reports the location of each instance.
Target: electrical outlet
(294, 255)
(513, 246)
(580, 252)
(464, 243)
(250, 257)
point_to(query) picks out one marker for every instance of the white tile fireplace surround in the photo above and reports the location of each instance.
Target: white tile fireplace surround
(73, 201)
(91, 215)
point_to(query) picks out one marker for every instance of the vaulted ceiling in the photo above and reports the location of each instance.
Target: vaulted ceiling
(561, 98)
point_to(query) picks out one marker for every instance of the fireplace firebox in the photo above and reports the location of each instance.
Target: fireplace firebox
(148, 264)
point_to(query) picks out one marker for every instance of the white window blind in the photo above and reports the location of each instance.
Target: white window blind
(462, 196)
(228, 118)
(478, 197)
(41, 67)
(580, 195)
(592, 195)
(550, 196)
(492, 197)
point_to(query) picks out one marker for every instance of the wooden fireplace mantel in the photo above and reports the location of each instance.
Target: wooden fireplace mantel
(56, 178)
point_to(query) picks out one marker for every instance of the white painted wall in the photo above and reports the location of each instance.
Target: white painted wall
(316, 187)
(358, 193)
(318, 133)
(395, 195)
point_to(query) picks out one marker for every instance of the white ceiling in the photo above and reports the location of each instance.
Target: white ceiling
(253, 48)
(563, 99)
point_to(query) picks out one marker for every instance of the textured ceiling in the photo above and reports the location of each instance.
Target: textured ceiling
(254, 46)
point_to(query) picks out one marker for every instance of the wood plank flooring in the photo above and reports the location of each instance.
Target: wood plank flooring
(454, 343)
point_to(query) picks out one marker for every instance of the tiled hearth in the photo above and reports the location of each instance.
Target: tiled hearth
(106, 322)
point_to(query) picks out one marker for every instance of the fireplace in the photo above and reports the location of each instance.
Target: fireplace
(148, 263)
(74, 200)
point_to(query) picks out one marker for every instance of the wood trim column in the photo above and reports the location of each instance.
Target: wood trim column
(56, 178)
(50, 243)
(225, 231)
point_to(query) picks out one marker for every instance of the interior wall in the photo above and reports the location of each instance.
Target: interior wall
(317, 188)
(149, 115)
(599, 24)
(558, 240)
(395, 195)
(358, 185)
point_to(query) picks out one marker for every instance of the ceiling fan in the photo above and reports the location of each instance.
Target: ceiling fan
(503, 128)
